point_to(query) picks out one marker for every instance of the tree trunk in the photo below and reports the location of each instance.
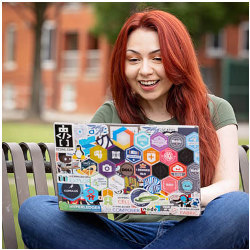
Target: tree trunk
(36, 100)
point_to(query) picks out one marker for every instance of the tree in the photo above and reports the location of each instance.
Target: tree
(38, 10)
(199, 18)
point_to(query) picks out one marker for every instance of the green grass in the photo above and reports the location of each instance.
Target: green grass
(25, 132)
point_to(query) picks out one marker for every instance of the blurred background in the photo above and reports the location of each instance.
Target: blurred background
(56, 56)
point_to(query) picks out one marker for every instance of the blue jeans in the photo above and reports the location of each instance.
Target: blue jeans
(223, 224)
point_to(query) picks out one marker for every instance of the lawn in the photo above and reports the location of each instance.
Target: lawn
(25, 132)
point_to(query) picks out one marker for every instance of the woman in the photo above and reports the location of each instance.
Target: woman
(155, 79)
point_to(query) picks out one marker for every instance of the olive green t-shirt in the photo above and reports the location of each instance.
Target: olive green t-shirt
(222, 114)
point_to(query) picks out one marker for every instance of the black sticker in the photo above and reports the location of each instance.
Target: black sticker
(186, 156)
(63, 136)
(71, 191)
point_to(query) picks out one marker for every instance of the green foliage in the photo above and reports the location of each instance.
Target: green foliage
(199, 18)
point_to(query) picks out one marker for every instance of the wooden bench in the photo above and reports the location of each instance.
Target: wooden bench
(39, 159)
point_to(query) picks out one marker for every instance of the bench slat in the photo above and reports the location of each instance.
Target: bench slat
(50, 148)
(38, 167)
(244, 168)
(9, 232)
(20, 174)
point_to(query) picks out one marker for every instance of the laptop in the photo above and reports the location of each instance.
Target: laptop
(128, 168)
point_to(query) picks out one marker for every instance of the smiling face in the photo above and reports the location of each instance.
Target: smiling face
(144, 69)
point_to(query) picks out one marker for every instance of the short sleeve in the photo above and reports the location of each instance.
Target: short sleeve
(106, 114)
(222, 113)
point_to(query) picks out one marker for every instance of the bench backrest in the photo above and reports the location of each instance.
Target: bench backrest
(39, 159)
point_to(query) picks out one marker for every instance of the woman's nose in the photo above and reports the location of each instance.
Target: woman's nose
(146, 68)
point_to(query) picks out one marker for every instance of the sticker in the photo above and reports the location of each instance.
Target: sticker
(142, 140)
(160, 170)
(178, 170)
(158, 141)
(78, 154)
(168, 156)
(98, 154)
(186, 185)
(130, 184)
(135, 197)
(142, 170)
(176, 141)
(181, 200)
(99, 182)
(97, 129)
(90, 194)
(127, 169)
(69, 191)
(123, 138)
(107, 168)
(116, 183)
(197, 157)
(192, 141)
(133, 155)
(80, 131)
(186, 156)
(169, 185)
(152, 184)
(63, 136)
(104, 141)
(116, 155)
(75, 179)
(151, 156)
(87, 144)
(194, 171)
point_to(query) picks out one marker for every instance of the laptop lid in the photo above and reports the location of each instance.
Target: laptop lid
(128, 168)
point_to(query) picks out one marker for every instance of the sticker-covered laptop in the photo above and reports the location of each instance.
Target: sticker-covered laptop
(127, 168)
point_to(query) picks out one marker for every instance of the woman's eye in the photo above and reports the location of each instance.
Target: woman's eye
(133, 59)
(157, 59)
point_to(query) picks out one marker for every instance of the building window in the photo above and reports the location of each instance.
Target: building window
(92, 57)
(71, 54)
(215, 44)
(244, 40)
(10, 48)
(68, 98)
(9, 97)
(48, 45)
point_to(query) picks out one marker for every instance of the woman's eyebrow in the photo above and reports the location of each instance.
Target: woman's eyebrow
(136, 52)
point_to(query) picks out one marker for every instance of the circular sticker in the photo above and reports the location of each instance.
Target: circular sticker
(176, 141)
(127, 169)
(136, 196)
(194, 171)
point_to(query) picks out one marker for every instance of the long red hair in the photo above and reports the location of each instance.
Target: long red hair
(187, 99)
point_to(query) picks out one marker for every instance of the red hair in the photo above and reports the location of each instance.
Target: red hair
(187, 99)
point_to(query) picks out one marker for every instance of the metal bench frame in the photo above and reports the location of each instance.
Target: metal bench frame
(20, 165)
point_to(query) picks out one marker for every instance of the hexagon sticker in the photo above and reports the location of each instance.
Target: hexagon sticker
(168, 156)
(186, 185)
(151, 156)
(133, 155)
(116, 154)
(116, 183)
(90, 194)
(158, 141)
(99, 182)
(192, 141)
(169, 184)
(193, 171)
(107, 168)
(197, 157)
(178, 170)
(160, 170)
(123, 138)
(98, 154)
(176, 141)
(142, 170)
(152, 184)
(88, 167)
(142, 140)
(186, 156)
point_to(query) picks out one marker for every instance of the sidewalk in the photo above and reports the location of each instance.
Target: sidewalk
(52, 116)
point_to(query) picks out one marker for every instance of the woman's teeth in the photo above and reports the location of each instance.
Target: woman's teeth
(148, 83)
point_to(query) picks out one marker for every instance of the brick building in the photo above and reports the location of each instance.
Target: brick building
(74, 62)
